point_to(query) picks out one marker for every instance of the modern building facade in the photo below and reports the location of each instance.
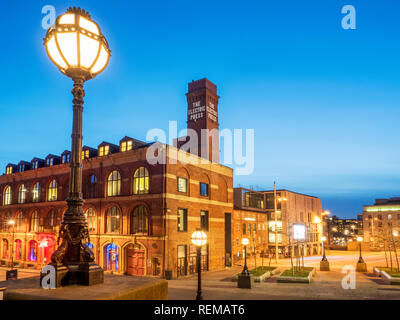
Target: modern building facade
(340, 232)
(381, 223)
(142, 201)
(254, 218)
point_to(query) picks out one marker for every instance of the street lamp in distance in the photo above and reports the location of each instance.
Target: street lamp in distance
(199, 239)
(12, 273)
(361, 265)
(245, 279)
(324, 263)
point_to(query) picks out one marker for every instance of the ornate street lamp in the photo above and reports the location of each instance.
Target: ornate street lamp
(77, 47)
(245, 243)
(199, 239)
(324, 263)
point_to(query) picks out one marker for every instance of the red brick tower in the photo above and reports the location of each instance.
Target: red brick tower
(202, 101)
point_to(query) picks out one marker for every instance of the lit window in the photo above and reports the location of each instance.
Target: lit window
(9, 170)
(22, 194)
(52, 196)
(114, 184)
(139, 221)
(91, 218)
(182, 220)
(126, 145)
(36, 192)
(113, 220)
(35, 222)
(19, 221)
(141, 181)
(85, 154)
(123, 146)
(51, 220)
(182, 184)
(103, 151)
(7, 196)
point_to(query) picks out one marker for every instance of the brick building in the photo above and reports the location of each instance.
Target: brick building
(140, 213)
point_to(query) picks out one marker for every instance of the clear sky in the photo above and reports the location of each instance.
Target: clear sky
(323, 101)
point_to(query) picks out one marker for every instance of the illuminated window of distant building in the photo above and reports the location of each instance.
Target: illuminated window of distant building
(52, 194)
(141, 181)
(7, 196)
(85, 154)
(9, 170)
(18, 249)
(22, 194)
(271, 226)
(91, 219)
(113, 220)
(204, 220)
(5, 249)
(182, 220)
(32, 251)
(104, 150)
(35, 222)
(182, 184)
(271, 237)
(36, 192)
(139, 221)
(51, 218)
(126, 145)
(19, 221)
(114, 184)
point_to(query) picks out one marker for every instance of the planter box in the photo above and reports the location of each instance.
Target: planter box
(291, 279)
(389, 279)
(261, 278)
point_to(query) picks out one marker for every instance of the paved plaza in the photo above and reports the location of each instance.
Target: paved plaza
(326, 285)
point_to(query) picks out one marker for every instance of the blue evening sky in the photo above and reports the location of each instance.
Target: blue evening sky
(323, 101)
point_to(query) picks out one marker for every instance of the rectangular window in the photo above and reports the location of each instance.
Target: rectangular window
(129, 145)
(182, 184)
(123, 146)
(249, 227)
(203, 189)
(182, 220)
(271, 237)
(204, 220)
(244, 228)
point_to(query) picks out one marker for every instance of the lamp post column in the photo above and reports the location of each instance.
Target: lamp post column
(199, 295)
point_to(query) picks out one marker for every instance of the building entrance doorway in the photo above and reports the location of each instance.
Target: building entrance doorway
(135, 260)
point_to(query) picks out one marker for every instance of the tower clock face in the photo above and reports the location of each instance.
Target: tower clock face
(196, 111)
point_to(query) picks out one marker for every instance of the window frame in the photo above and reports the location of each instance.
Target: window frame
(207, 189)
(186, 184)
(185, 220)
(115, 189)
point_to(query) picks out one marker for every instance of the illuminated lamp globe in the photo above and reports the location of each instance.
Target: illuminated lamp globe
(359, 239)
(245, 241)
(76, 46)
(323, 239)
(199, 238)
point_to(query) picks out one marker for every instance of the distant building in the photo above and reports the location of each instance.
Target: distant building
(381, 223)
(254, 218)
(339, 232)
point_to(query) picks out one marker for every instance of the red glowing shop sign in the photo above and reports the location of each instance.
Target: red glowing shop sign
(46, 244)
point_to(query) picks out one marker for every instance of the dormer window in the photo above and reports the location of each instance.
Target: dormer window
(85, 154)
(9, 170)
(104, 150)
(126, 145)
(35, 164)
(65, 158)
(50, 161)
(21, 167)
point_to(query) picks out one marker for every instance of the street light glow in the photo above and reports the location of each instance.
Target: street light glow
(245, 241)
(11, 222)
(359, 239)
(199, 238)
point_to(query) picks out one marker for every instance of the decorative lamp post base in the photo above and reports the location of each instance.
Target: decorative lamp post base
(324, 265)
(245, 281)
(361, 266)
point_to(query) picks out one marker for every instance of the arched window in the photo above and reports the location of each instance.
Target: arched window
(51, 218)
(19, 221)
(18, 249)
(52, 194)
(113, 220)
(5, 249)
(35, 222)
(36, 192)
(32, 251)
(91, 219)
(91, 187)
(7, 196)
(141, 181)
(114, 184)
(139, 220)
(22, 194)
